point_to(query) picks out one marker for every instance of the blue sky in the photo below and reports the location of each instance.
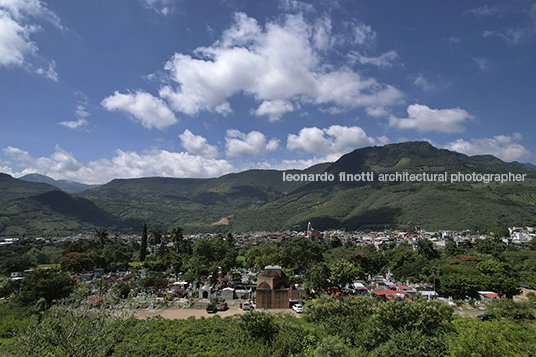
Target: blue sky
(96, 90)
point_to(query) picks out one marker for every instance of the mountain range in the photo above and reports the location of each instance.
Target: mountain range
(263, 200)
(64, 185)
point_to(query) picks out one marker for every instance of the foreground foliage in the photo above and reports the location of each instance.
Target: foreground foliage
(351, 326)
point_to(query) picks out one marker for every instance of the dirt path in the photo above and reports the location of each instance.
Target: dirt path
(178, 313)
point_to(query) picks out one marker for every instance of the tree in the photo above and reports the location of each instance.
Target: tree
(317, 277)
(214, 257)
(342, 272)
(177, 235)
(115, 255)
(501, 232)
(300, 254)
(451, 248)
(76, 262)
(491, 339)
(410, 227)
(508, 309)
(17, 264)
(81, 332)
(335, 242)
(143, 245)
(425, 247)
(156, 238)
(493, 246)
(47, 284)
(102, 235)
(460, 285)
(259, 256)
(258, 325)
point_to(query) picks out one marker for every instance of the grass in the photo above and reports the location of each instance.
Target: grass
(51, 266)
(135, 264)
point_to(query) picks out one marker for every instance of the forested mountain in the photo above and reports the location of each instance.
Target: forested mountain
(12, 188)
(262, 200)
(64, 185)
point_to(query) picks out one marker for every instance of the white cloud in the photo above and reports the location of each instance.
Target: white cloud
(423, 83)
(50, 72)
(280, 65)
(196, 144)
(63, 165)
(162, 7)
(15, 41)
(377, 112)
(16, 29)
(274, 109)
(74, 124)
(423, 119)
(150, 111)
(20, 10)
(295, 164)
(336, 139)
(17, 154)
(383, 140)
(364, 34)
(482, 63)
(254, 143)
(504, 147)
(383, 60)
(81, 113)
(524, 32)
(485, 10)
(294, 5)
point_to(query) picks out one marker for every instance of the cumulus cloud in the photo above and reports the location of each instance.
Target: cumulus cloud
(504, 147)
(377, 112)
(17, 154)
(253, 143)
(296, 164)
(196, 144)
(16, 29)
(280, 65)
(15, 41)
(63, 165)
(336, 139)
(142, 106)
(274, 109)
(423, 119)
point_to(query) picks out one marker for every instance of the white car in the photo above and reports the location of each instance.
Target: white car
(298, 308)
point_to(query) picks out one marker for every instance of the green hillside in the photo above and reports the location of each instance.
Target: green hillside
(12, 188)
(53, 213)
(262, 200)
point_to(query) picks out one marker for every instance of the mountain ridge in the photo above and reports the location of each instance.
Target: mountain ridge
(64, 185)
(262, 200)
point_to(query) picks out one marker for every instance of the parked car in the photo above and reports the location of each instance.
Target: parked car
(484, 317)
(246, 306)
(223, 306)
(298, 308)
(211, 308)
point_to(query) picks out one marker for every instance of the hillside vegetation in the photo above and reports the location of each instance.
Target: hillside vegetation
(262, 200)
